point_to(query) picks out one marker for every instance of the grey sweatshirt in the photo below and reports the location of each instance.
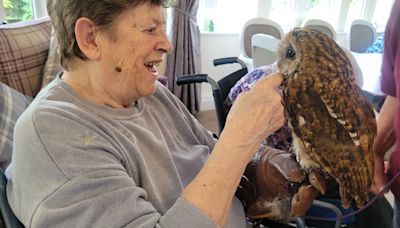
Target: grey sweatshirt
(79, 164)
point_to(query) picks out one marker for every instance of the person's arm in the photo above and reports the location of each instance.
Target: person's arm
(73, 172)
(385, 138)
(69, 174)
(386, 130)
(254, 115)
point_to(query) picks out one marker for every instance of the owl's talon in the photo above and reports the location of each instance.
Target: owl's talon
(318, 181)
(295, 203)
(303, 199)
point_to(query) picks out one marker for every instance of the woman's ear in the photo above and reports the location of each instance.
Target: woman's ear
(86, 39)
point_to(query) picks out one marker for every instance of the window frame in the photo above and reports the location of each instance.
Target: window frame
(2, 13)
(39, 8)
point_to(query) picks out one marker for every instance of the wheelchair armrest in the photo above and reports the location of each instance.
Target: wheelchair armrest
(338, 213)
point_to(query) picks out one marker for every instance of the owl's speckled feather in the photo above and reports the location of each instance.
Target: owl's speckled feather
(333, 123)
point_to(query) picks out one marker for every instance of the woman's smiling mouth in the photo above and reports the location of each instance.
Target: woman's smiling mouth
(151, 66)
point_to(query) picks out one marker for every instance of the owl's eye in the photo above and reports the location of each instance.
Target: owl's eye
(290, 54)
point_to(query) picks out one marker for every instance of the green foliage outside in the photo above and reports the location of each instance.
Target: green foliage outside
(312, 3)
(18, 10)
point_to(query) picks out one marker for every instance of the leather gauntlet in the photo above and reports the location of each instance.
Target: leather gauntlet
(275, 187)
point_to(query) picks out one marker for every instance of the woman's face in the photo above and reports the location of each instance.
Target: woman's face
(130, 51)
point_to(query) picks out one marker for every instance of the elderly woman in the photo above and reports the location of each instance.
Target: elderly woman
(106, 145)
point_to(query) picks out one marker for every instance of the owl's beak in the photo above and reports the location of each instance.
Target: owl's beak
(279, 70)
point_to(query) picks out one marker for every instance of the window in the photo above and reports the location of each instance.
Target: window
(225, 16)
(373, 10)
(355, 11)
(291, 13)
(283, 12)
(381, 14)
(16, 10)
(327, 10)
(228, 16)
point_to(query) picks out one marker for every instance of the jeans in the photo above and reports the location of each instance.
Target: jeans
(396, 213)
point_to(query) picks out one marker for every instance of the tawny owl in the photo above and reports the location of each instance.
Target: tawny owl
(333, 125)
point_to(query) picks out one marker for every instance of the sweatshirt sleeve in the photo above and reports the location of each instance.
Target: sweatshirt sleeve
(61, 178)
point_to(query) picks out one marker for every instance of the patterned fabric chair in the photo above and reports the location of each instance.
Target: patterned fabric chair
(24, 51)
(12, 104)
(24, 48)
(24, 60)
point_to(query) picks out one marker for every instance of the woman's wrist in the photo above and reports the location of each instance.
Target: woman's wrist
(240, 140)
(213, 189)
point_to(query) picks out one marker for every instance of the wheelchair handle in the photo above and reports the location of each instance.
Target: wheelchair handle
(229, 60)
(197, 78)
(192, 78)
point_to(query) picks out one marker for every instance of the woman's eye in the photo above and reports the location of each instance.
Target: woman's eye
(151, 30)
(290, 54)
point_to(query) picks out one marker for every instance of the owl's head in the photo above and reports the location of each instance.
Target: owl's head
(303, 49)
(290, 53)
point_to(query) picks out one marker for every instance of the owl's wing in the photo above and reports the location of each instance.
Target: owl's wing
(350, 109)
(346, 104)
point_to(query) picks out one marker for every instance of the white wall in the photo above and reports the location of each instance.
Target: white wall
(217, 45)
(213, 46)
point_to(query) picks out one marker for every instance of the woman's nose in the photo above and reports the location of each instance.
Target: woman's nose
(165, 45)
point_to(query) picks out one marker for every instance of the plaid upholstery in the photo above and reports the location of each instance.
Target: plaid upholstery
(23, 51)
(12, 104)
(53, 65)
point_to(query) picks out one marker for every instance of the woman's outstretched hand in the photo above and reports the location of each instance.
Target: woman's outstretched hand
(256, 113)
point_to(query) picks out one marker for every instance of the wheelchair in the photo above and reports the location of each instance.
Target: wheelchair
(221, 88)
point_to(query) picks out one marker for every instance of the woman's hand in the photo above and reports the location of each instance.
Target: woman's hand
(256, 113)
(384, 139)
(380, 178)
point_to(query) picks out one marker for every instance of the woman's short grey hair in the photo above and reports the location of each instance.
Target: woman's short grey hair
(64, 14)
